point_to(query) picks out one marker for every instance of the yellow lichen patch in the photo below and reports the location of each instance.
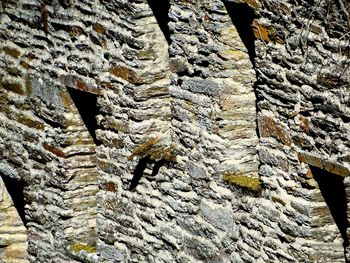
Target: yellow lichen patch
(244, 181)
(146, 54)
(155, 151)
(79, 247)
(232, 31)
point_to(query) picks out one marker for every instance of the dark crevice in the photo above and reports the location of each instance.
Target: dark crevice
(86, 104)
(333, 191)
(160, 9)
(50, 122)
(157, 167)
(15, 188)
(79, 154)
(138, 172)
(255, 89)
(242, 17)
(141, 167)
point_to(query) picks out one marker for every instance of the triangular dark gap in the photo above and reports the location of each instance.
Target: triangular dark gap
(160, 9)
(333, 191)
(15, 188)
(86, 104)
(242, 17)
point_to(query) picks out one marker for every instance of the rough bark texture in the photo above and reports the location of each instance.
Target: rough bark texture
(175, 131)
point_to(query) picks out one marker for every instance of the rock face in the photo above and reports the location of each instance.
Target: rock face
(175, 131)
(13, 236)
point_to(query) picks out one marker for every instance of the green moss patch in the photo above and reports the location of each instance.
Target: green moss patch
(155, 151)
(244, 181)
(146, 54)
(79, 247)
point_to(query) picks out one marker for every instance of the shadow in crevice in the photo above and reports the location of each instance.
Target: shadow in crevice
(160, 9)
(257, 98)
(15, 188)
(157, 166)
(86, 104)
(242, 17)
(333, 191)
(138, 172)
(141, 167)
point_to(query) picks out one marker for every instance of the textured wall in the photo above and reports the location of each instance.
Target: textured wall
(13, 237)
(303, 113)
(133, 127)
(44, 142)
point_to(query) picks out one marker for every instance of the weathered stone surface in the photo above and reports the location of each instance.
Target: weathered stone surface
(194, 75)
(269, 128)
(201, 249)
(196, 171)
(219, 216)
(202, 86)
(329, 166)
(13, 236)
(112, 253)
